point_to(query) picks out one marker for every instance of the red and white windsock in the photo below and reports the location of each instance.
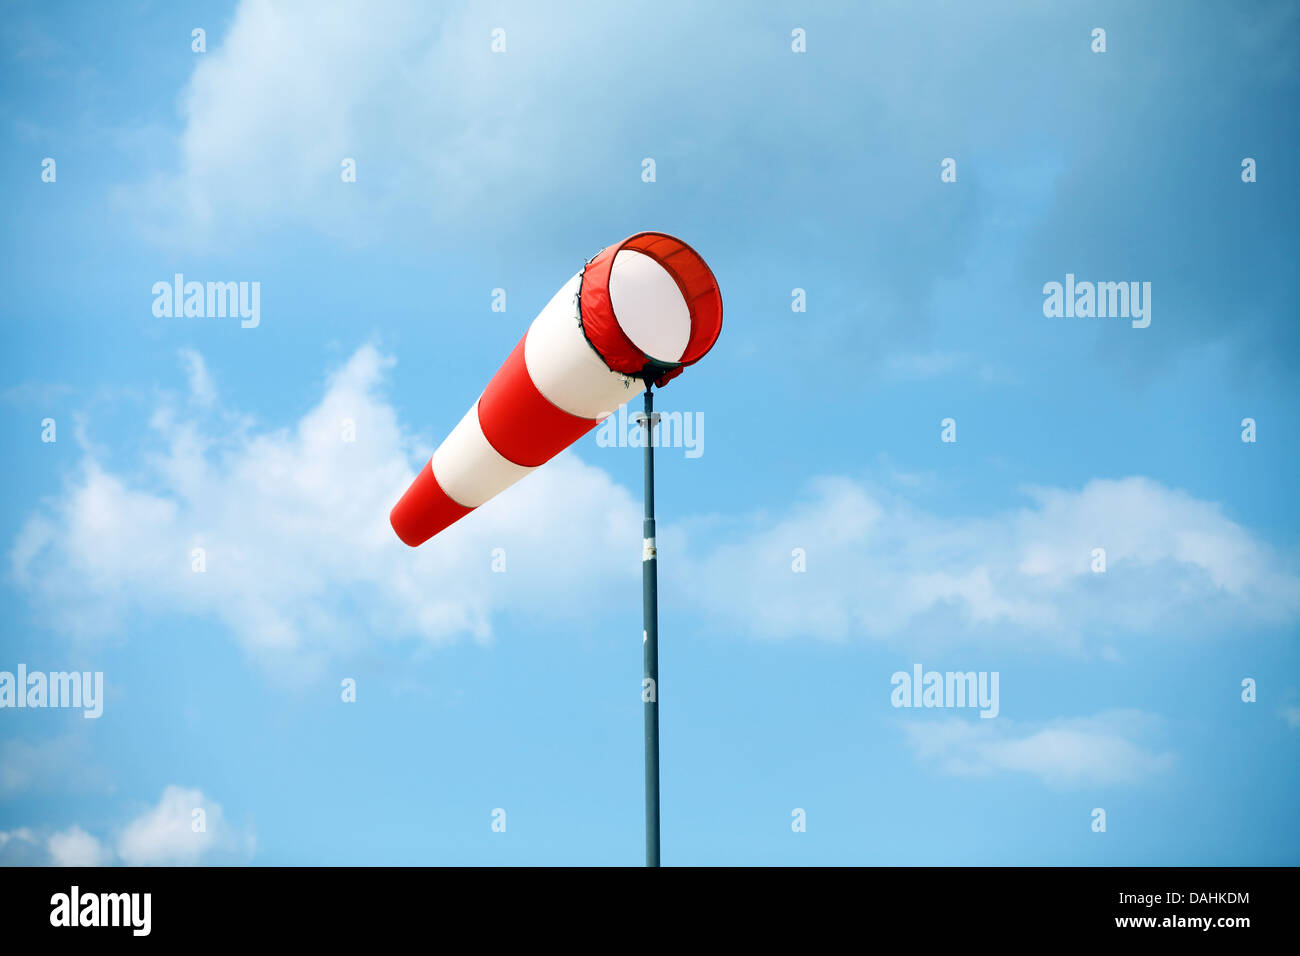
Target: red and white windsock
(640, 310)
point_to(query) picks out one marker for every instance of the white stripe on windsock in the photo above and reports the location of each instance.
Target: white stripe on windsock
(567, 371)
(564, 366)
(468, 468)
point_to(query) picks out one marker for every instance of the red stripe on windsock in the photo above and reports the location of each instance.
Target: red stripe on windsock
(520, 422)
(425, 509)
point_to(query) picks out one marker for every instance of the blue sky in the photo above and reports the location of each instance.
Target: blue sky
(520, 690)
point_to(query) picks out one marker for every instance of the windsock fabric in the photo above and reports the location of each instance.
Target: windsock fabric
(644, 309)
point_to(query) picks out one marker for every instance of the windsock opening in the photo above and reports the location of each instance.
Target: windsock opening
(650, 306)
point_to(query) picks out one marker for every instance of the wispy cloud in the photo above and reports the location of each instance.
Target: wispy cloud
(1291, 714)
(61, 762)
(201, 388)
(923, 366)
(283, 535)
(1109, 748)
(878, 567)
(285, 94)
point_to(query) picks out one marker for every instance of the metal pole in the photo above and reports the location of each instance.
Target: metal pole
(650, 639)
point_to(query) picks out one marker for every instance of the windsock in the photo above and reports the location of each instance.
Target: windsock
(638, 312)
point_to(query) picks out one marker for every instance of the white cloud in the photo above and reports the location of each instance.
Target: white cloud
(878, 567)
(21, 847)
(437, 123)
(201, 388)
(20, 835)
(923, 366)
(76, 847)
(918, 366)
(1110, 748)
(300, 558)
(163, 835)
(167, 834)
(301, 563)
(289, 91)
